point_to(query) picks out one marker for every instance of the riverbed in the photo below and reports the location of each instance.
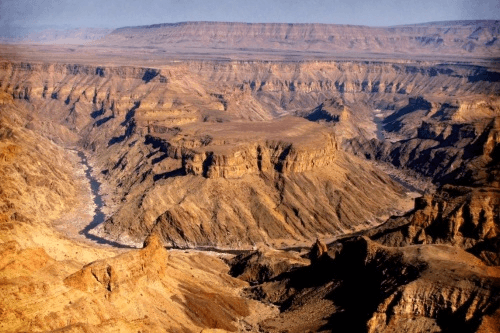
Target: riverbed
(88, 214)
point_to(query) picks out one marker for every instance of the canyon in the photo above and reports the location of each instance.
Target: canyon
(222, 152)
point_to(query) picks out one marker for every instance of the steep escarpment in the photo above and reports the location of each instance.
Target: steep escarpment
(251, 154)
(463, 216)
(50, 282)
(181, 129)
(443, 38)
(441, 140)
(457, 145)
(437, 288)
(277, 182)
(36, 174)
(178, 154)
(190, 91)
(233, 150)
(420, 271)
(104, 105)
(146, 289)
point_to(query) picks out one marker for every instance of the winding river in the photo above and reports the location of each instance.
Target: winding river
(98, 216)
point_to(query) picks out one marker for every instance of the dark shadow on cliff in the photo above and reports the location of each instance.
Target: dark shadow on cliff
(169, 174)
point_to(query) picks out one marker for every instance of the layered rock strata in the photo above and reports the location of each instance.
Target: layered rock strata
(242, 183)
(146, 289)
(455, 37)
(375, 288)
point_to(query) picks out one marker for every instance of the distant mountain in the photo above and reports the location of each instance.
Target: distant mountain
(476, 38)
(58, 36)
(469, 38)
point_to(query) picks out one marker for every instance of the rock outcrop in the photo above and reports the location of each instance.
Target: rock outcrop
(318, 250)
(146, 289)
(462, 216)
(107, 276)
(264, 265)
(275, 199)
(229, 151)
(443, 149)
(374, 288)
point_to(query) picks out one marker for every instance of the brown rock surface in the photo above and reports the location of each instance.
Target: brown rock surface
(237, 153)
(465, 217)
(141, 289)
(318, 250)
(374, 288)
(238, 184)
(49, 282)
(274, 164)
(438, 141)
(264, 264)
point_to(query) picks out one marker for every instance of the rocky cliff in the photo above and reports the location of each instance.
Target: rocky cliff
(375, 288)
(477, 38)
(169, 126)
(50, 282)
(441, 141)
(235, 195)
(166, 126)
(244, 154)
(465, 217)
(233, 150)
(36, 174)
(145, 289)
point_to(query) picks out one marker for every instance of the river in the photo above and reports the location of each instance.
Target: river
(98, 217)
(380, 127)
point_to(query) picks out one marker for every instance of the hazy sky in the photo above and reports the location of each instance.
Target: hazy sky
(117, 13)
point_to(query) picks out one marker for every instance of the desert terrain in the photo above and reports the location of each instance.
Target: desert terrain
(213, 177)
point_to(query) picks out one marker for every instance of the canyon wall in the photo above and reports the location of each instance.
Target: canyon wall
(165, 138)
(478, 38)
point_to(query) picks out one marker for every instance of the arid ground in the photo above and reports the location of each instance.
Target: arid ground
(212, 177)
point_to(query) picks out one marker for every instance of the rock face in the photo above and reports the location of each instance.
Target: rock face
(140, 289)
(244, 183)
(452, 38)
(317, 251)
(249, 149)
(460, 304)
(184, 130)
(264, 265)
(50, 282)
(433, 288)
(239, 154)
(161, 98)
(111, 274)
(441, 141)
(204, 174)
(36, 175)
(465, 217)
(261, 207)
